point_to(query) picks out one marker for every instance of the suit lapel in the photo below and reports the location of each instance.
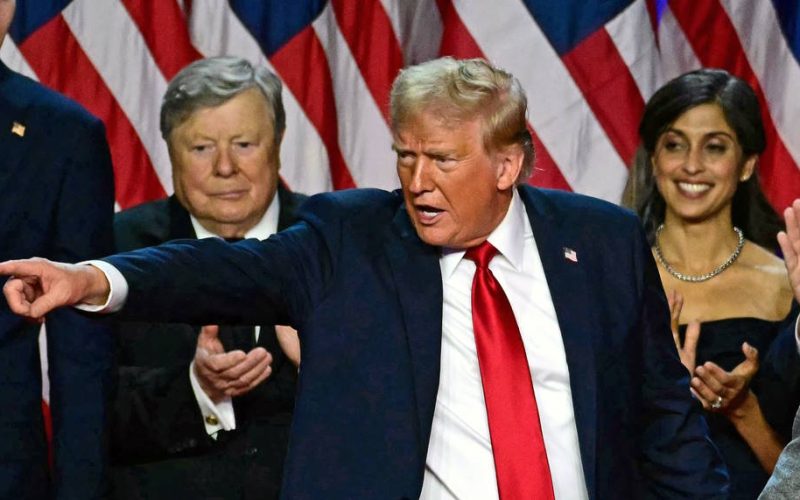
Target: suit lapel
(416, 273)
(568, 285)
(180, 223)
(289, 205)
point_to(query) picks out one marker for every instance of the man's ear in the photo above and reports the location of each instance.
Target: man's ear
(508, 162)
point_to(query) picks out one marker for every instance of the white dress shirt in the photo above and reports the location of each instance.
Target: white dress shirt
(459, 463)
(220, 416)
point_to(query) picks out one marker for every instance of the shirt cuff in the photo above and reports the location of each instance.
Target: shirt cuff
(216, 417)
(118, 289)
(797, 332)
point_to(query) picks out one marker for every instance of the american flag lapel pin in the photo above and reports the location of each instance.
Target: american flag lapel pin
(570, 254)
(18, 129)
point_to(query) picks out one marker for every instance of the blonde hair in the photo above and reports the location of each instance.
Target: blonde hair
(461, 90)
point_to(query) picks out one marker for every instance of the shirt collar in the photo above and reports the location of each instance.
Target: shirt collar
(267, 226)
(505, 238)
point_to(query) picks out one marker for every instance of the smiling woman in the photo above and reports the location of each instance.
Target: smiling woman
(695, 186)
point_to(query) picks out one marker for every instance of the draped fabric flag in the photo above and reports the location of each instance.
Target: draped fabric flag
(587, 67)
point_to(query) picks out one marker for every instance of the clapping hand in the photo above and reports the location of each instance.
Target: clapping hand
(789, 242)
(289, 342)
(688, 349)
(722, 391)
(230, 374)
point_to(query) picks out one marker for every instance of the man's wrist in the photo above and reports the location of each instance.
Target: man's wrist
(216, 416)
(97, 286)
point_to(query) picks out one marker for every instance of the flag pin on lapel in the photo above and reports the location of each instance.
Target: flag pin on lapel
(18, 129)
(570, 254)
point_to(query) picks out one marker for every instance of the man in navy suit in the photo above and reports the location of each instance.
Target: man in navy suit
(392, 399)
(57, 202)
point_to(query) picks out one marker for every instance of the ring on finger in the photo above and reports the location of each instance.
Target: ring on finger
(717, 404)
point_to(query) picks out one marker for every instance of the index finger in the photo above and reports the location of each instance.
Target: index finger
(691, 337)
(24, 267)
(715, 372)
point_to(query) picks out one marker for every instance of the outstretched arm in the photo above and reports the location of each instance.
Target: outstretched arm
(38, 286)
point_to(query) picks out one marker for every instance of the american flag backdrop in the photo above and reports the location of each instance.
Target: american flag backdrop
(587, 66)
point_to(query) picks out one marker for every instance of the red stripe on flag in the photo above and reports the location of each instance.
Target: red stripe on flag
(48, 433)
(56, 57)
(609, 89)
(369, 34)
(715, 41)
(457, 41)
(163, 27)
(303, 67)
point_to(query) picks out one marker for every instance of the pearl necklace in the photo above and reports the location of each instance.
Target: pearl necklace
(697, 278)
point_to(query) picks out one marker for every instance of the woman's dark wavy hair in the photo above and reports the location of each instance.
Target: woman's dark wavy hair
(751, 212)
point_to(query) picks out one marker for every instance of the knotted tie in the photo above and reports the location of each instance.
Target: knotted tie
(520, 458)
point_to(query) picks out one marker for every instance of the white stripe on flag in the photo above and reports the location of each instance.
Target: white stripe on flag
(637, 47)
(364, 136)
(677, 54)
(12, 57)
(774, 65)
(216, 30)
(510, 37)
(44, 364)
(418, 27)
(105, 31)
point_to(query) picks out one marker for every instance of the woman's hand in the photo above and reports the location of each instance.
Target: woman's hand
(790, 245)
(687, 351)
(729, 393)
(722, 391)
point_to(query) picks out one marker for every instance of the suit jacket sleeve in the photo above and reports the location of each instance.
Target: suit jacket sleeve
(778, 382)
(785, 481)
(275, 281)
(80, 349)
(678, 457)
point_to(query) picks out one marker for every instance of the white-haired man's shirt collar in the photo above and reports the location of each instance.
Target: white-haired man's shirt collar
(267, 226)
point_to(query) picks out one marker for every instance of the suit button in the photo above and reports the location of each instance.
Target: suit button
(212, 420)
(251, 451)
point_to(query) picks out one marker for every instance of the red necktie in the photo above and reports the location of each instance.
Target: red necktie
(520, 458)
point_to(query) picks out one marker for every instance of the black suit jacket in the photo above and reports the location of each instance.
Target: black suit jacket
(160, 445)
(57, 202)
(366, 295)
